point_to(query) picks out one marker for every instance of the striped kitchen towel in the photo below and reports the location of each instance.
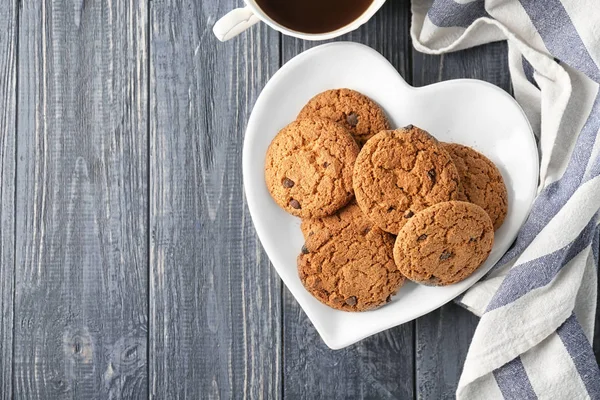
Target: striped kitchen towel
(537, 306)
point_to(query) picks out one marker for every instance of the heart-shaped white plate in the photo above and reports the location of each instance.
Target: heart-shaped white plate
(471, 112)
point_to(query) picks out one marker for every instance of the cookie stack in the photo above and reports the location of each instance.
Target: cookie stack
(380, 205)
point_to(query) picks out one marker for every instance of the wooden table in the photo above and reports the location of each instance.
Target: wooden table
(129, 264)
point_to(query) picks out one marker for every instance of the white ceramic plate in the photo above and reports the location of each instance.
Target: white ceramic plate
(471, 112)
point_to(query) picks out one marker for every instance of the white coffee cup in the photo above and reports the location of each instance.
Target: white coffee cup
(240, 19)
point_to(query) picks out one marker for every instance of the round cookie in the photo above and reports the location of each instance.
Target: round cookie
(399, 173)
(481, 181)
(356, 112)
(351, 267)
(444, 243)
(308, 168)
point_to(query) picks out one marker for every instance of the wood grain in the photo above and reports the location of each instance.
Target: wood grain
(8, 135)
(81, 252)
(127, 252)
(488, 62)
(444, 335)
(215, 307)
(381, 366)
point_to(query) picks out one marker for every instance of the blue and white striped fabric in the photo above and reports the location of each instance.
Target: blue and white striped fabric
(537, 306)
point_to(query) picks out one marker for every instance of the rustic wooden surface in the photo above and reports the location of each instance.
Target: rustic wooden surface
(129, 266)
(215, 302)
(8, 108)
(81, 275)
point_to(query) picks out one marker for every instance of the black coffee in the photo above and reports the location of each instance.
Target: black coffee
(314, 16)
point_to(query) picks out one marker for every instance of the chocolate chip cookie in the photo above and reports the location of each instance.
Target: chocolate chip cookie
(399, 173)
(444, 243)
(356, 112)
(347, 262)
(481, 181)
(308, 168)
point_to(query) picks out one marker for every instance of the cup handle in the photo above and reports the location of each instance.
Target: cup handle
(234, 22)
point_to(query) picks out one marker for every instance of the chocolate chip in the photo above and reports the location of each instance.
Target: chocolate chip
(288, 183)
(351, 301)
(352, 119)
(422, 237)
(325, 164)
(389, 298)
(409, 126)
(445, 255)
(294, 204)
(472, 240)
(432, 175)
(366, 230)
(304, 250)
(391, 208)
(409, 214)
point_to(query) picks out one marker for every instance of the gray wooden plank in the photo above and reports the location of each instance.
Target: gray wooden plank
(215, 307)
(82, 206)
(8, 134)
(381, 366)
(443, 336)
(488, 63)
(596, 341)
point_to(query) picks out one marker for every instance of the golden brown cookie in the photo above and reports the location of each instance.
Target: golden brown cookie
(308, 168)
(481, 181)
(355, 111)
(347, 262)
(399, 173)
(444, 243)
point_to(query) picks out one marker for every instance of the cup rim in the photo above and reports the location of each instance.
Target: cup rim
(362, 19)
